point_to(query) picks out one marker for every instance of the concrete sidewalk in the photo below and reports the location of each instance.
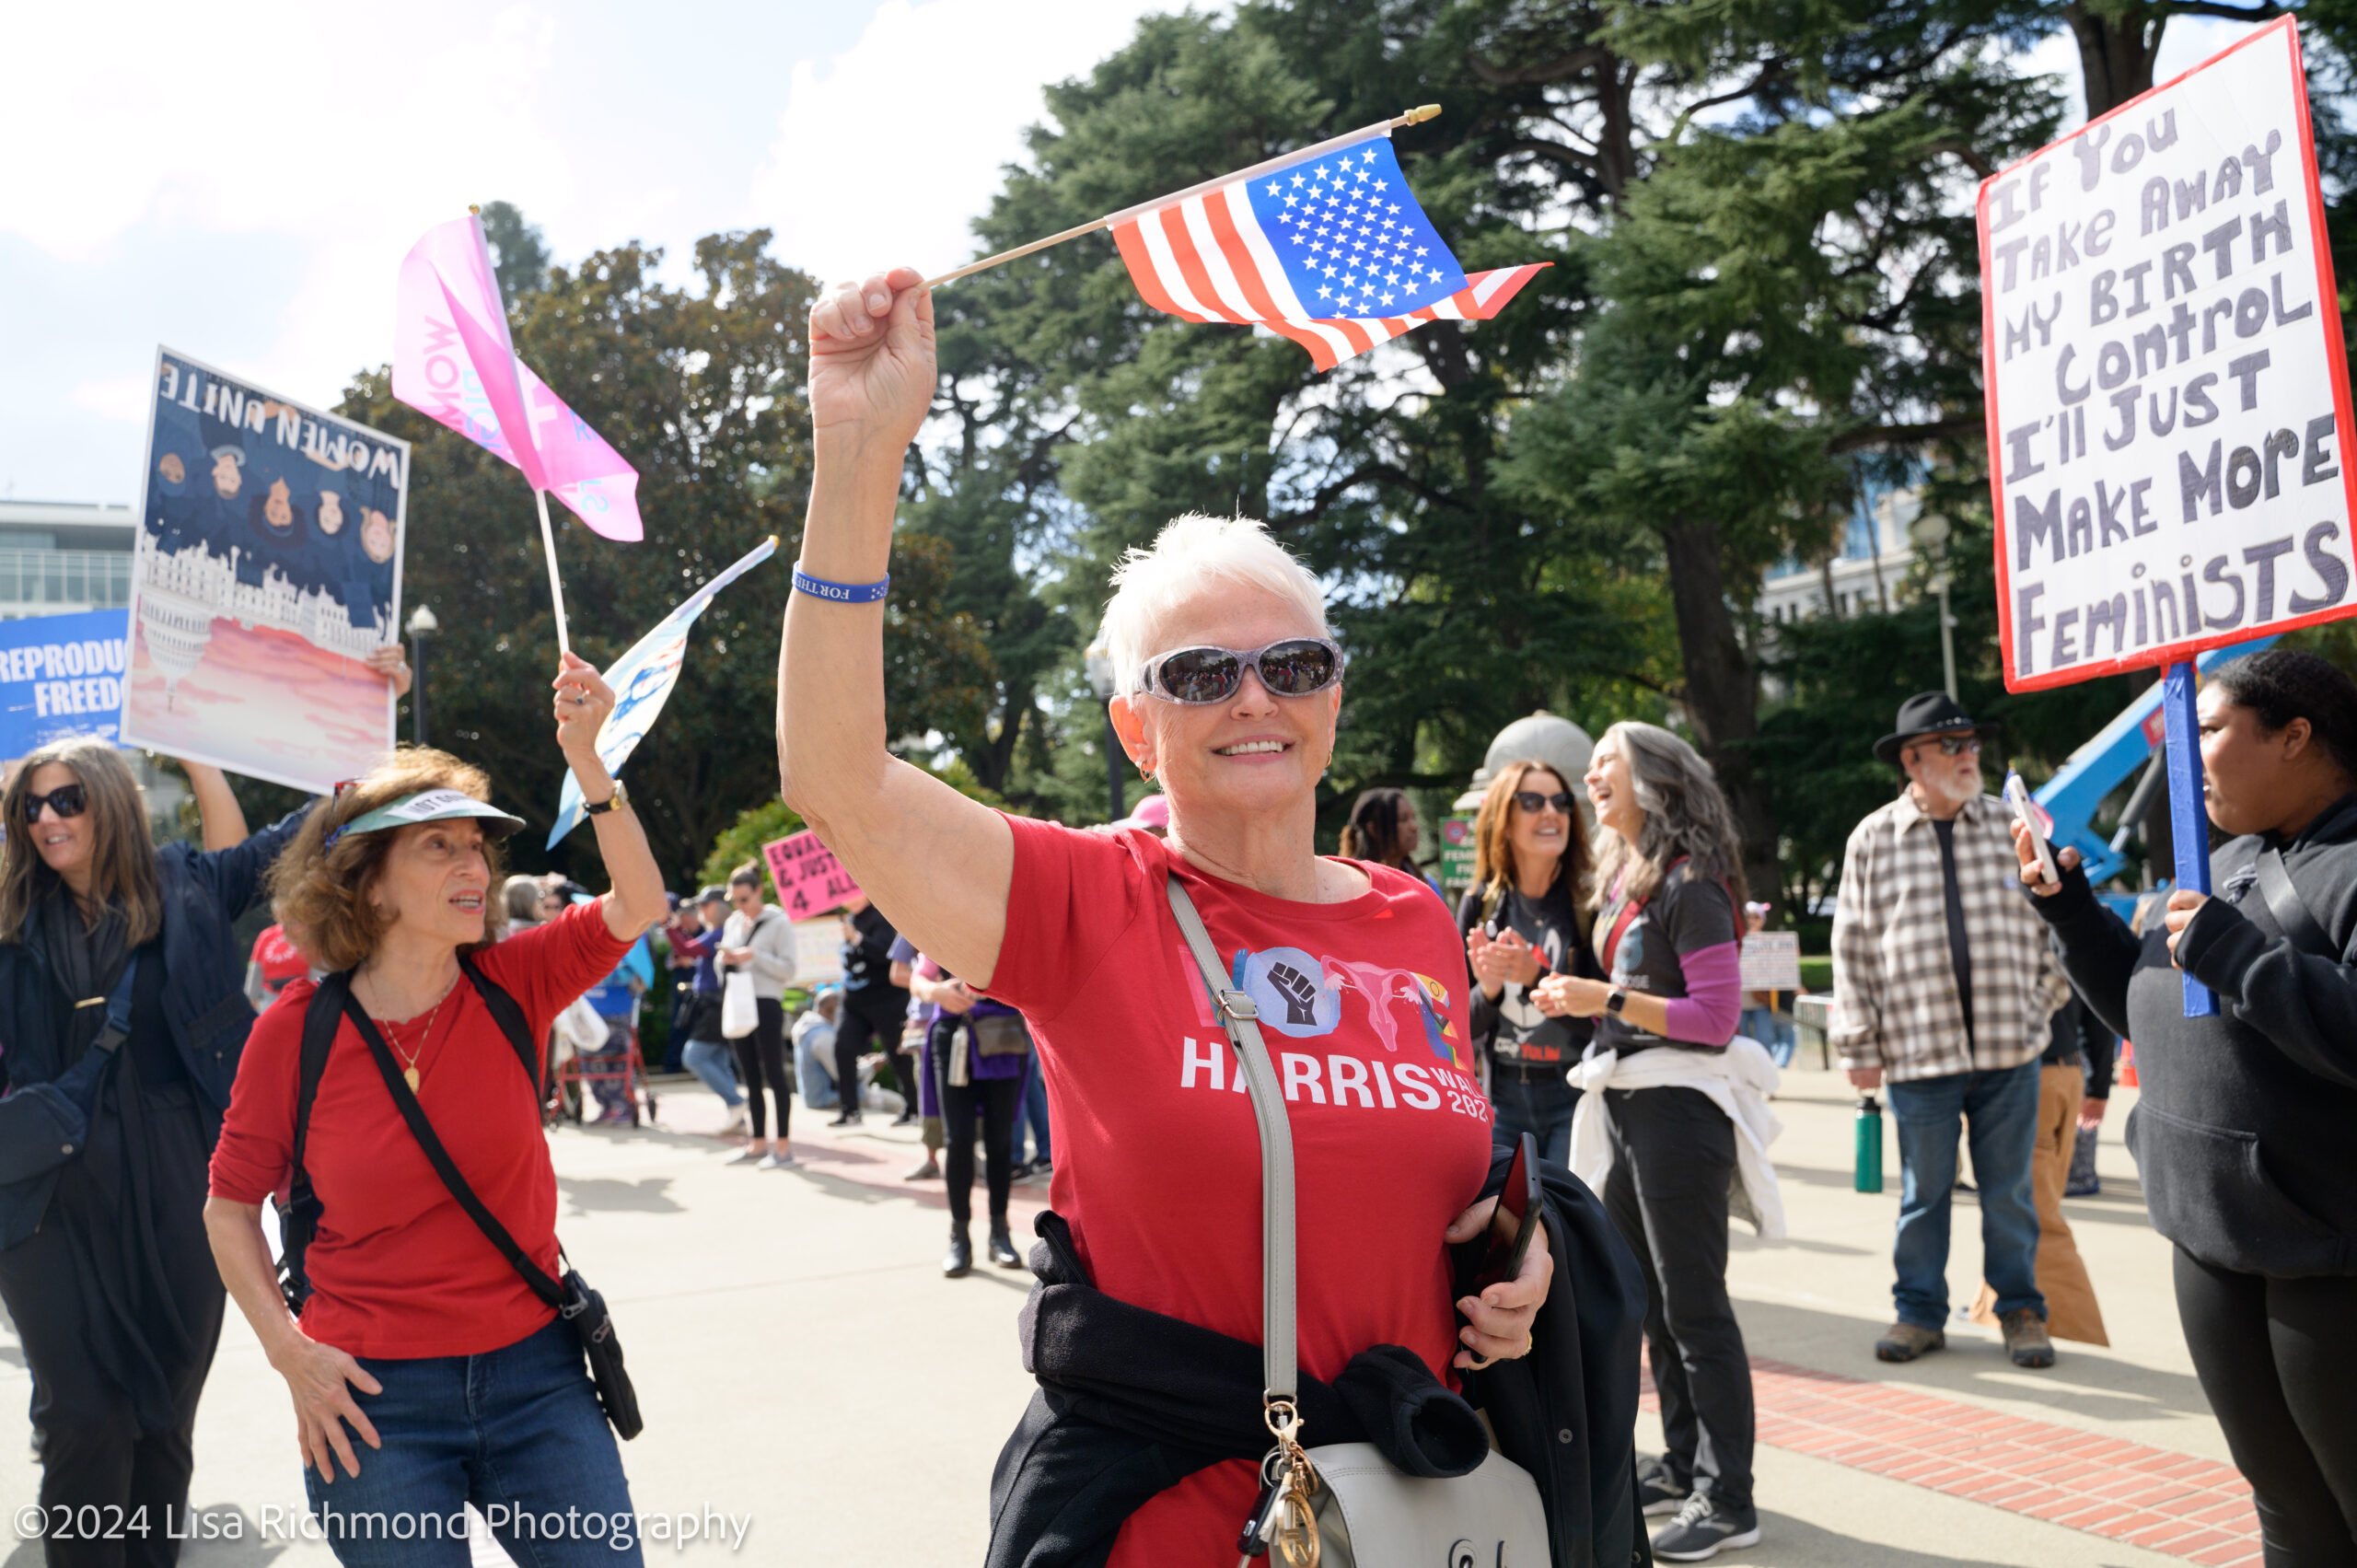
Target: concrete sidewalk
(807, 1373)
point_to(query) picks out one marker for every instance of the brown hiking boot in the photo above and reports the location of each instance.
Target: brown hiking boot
(2026, 1339)
(1905, 1342)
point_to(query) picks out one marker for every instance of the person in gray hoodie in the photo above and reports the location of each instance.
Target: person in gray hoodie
(758, 939)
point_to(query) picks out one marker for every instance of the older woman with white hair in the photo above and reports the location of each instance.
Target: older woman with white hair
(1229, 689)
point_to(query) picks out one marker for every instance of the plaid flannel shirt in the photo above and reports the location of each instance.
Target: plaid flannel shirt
(1895, 1004)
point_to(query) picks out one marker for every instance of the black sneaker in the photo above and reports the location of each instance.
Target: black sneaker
(1703, 1528)
(1659, 1494)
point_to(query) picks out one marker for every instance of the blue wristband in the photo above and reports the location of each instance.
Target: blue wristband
(841, 593)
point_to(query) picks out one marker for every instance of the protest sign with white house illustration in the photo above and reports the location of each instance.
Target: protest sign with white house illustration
(2168, 399)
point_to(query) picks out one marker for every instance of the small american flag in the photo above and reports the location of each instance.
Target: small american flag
(1331, 251)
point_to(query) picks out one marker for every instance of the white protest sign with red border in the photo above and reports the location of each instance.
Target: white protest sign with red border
(809, 879)
(2169, 400)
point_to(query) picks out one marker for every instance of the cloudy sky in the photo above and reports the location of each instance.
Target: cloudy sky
(240, 183)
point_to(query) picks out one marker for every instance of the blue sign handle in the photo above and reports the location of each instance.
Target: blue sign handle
(2188, 818)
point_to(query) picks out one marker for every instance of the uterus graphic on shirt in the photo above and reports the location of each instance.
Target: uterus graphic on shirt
(1301, 995)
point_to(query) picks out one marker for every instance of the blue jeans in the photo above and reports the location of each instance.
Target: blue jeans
(818, 1084)
(1541, 1107)
(516, 1432)
(1763, 1025)
(1033, 1113)
(2000, 1111)
(714, 1061)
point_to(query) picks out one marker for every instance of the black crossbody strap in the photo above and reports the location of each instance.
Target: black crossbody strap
(319, 1019)
(299, 1218)
(509, 1016)
(2290, 909)
(546, 1288)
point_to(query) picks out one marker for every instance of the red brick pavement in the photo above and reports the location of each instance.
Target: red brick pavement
(2126, 1491)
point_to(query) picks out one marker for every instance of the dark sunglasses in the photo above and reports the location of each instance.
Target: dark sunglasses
(1954, 744)
(1296, 666)
(66, 800)
(1531, 800)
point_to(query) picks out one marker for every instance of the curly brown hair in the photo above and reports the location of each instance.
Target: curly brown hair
(321, 891)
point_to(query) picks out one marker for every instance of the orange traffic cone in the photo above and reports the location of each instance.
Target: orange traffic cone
(2128, 1064)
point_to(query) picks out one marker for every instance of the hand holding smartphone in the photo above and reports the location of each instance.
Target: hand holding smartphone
(2034, 817)
(1502, 1258)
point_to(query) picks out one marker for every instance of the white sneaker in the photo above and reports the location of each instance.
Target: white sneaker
(745, 1156)
(740, 1119)
(779, 1162)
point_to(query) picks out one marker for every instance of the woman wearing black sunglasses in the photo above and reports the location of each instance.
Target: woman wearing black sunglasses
(1522, 921)
(104, 1263)
(1229, 690)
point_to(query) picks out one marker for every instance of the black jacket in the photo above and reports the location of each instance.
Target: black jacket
(2243, 1130)
(204, 989)
(1558, 909)
(1131, 1402)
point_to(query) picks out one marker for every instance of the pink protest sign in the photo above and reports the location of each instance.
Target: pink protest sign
(454, 361)
(809, 879)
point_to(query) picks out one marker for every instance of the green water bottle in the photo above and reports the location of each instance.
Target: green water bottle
(1869, 1160)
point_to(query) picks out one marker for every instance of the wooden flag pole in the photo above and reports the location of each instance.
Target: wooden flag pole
(1412, 117)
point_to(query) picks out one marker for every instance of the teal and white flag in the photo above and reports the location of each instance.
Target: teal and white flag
(642, 679)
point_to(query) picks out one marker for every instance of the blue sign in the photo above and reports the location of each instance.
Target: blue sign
(62, 676)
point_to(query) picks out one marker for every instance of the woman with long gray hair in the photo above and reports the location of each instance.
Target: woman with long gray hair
(119, 991)
(1667, 887)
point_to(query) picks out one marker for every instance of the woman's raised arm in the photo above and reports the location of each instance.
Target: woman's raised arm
(583, 701)
(937, 863)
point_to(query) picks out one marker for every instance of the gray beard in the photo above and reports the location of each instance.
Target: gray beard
(1949, 792)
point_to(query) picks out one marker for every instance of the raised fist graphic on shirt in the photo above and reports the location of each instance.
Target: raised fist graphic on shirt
(1298, 992)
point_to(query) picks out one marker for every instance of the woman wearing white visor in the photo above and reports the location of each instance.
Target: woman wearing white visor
(426, 1371)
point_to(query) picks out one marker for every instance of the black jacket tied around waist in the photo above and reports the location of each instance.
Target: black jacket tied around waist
(1131, 1402)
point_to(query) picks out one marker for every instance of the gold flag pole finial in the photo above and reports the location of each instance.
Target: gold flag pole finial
(1419, 114)
(475, 210)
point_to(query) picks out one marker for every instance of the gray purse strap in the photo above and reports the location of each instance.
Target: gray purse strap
(1241, 1018)
(2290, 909)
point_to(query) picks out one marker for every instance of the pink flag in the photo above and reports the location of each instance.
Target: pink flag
(454, 361)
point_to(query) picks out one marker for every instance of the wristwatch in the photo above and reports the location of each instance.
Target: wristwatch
(1617, 1000)
(614, 802)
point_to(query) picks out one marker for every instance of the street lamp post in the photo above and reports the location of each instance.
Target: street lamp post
(422, 625)
(1100, 680)
(1931, 531)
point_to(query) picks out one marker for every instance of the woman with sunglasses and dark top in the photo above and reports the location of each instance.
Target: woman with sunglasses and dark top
(1230, 684)
(1522, 920)
(103, 1260)
(2243, 1130)
(425, 1373)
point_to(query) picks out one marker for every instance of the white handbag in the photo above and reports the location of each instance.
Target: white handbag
(740, 1015)
(1343, 1505)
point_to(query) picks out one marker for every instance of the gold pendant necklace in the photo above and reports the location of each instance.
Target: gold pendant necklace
(409, 1073)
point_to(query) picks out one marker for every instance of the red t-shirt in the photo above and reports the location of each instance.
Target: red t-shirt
(1157, 1159)
(396, 1268)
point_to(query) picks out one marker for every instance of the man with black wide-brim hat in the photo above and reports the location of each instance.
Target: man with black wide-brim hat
(1942, 984)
